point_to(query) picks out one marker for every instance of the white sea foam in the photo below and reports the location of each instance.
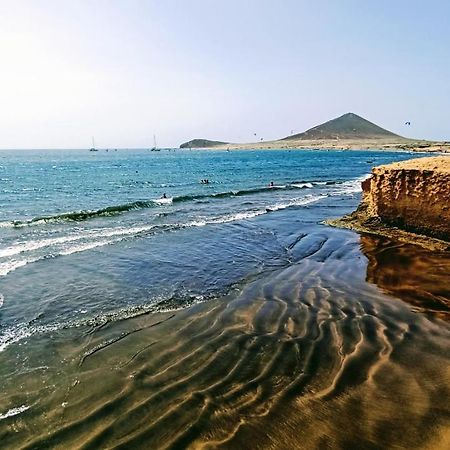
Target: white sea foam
(2, 300)
(30, 246)
(237, 216)
(22, 331)
(302, 185)
(351, 186)
(14, 412)
(12, 265)
(88, 246)
(35, 245)
(296, 202)
(58, 247)
(12, 335)
(123, 231)
(164, 201)
(245, 215)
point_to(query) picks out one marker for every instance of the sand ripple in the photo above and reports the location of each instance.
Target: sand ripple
(309, 356)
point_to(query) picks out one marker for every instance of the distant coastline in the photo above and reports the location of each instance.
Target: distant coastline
(413, 146)
(347, 132)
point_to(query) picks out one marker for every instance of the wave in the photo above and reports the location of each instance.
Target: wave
(78, 216)
(88, 246)
(351, 186)
(86, 214)
(162, 304)
(57, 246)
(10, 266)
(303, 185)
(30, 246)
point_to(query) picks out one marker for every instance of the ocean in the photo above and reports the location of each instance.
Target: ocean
(136, 299)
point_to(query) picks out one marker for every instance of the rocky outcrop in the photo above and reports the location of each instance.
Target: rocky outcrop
(411, 196)
(201, 143)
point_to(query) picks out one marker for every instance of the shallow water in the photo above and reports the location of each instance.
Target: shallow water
(255, 327)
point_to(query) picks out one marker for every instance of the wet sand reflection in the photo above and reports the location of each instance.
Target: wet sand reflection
(418, 276)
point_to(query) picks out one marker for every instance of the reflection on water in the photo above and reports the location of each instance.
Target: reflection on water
(418, 276)
(308, 356)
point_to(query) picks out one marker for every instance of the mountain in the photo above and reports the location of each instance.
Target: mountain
(201, 143)
(344, 132)
(348, 126)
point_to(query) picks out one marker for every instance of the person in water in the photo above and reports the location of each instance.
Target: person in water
(164, 195)
(271, 184)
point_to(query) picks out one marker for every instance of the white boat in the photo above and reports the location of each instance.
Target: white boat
(93, 149)
(154, 148)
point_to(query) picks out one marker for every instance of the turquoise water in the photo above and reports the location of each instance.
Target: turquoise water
(87, 237)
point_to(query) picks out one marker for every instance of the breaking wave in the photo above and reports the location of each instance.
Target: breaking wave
(77, 216)
(22, 254)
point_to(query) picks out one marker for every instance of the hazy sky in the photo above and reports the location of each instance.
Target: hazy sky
(123, 70)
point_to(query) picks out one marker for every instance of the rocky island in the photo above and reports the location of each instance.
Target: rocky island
(408, 200)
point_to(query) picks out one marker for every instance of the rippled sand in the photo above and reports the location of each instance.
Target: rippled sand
(309, 356)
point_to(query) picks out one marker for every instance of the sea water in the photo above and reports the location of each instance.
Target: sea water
(87, 236)
(142, 308)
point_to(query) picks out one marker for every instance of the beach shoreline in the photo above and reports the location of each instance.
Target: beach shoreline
(258, 362)
(414, 146)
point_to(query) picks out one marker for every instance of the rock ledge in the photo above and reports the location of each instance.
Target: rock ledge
(406, 199)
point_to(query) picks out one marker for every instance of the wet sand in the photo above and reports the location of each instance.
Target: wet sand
(337, 350)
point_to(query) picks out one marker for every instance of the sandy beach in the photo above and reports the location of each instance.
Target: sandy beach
(333, 144)
(286, 360)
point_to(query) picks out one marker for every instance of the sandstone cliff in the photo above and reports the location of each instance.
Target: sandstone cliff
(410, 196)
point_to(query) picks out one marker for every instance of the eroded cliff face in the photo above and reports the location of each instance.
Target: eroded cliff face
(407, 201)
(412, 195)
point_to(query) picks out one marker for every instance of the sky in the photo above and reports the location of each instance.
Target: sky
(125, 70)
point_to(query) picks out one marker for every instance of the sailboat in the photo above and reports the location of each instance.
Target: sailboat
(93, 149)
(154, 148)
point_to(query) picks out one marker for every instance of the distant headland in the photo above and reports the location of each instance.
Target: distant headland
(346, 132)
(201, 143)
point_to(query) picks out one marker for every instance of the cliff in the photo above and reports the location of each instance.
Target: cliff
(406, 197)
